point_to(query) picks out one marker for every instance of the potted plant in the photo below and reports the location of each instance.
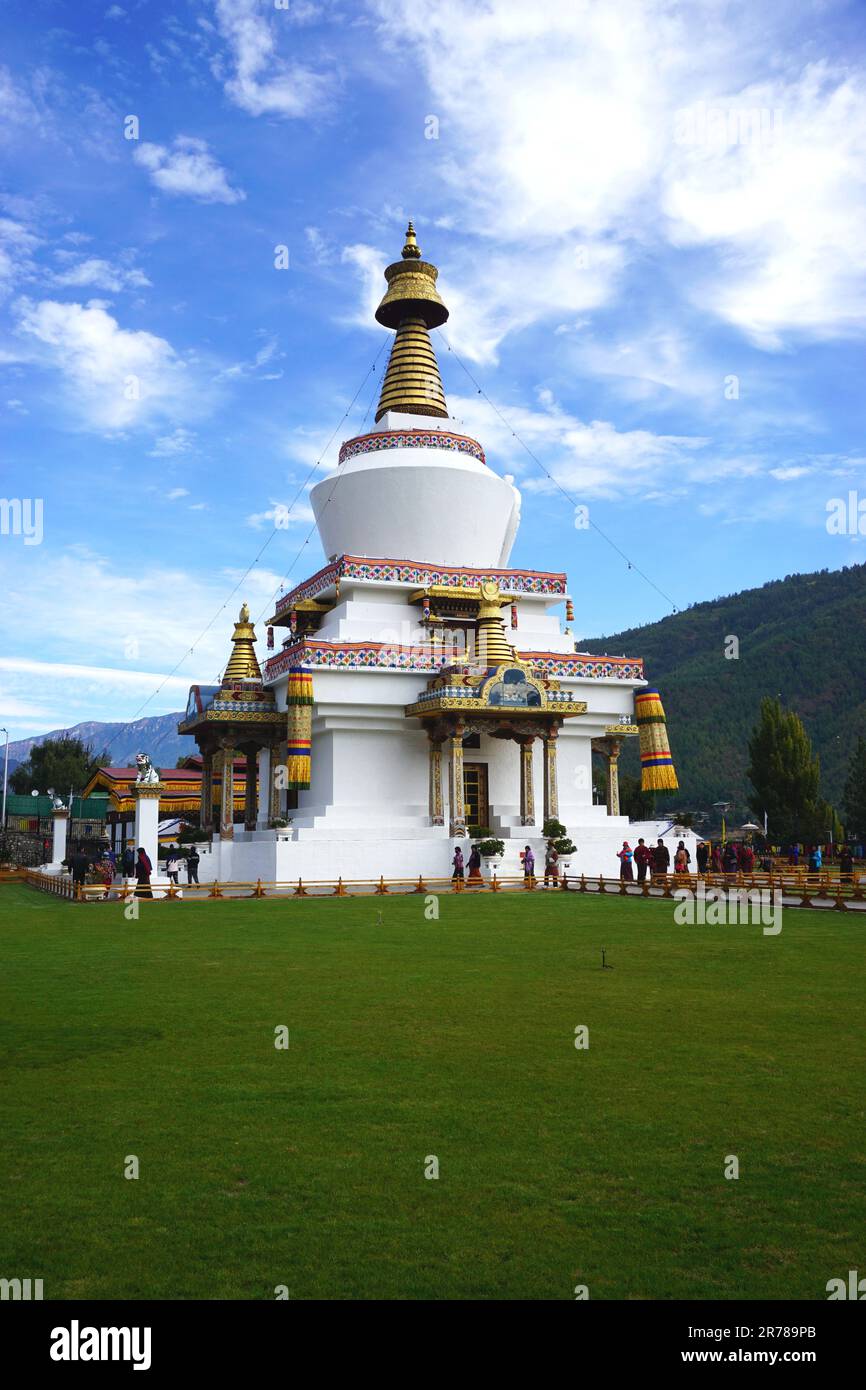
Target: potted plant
(565, 848)
(492, 851)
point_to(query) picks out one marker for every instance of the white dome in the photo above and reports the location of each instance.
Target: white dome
(417, 491)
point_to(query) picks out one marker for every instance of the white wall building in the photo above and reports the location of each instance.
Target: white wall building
(429, 712)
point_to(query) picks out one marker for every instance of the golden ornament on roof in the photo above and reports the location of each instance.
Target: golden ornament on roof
(412, 306)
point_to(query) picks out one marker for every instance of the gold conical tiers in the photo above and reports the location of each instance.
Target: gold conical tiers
(412, 382)
(490, 641)
(412, 306)
(243, 662)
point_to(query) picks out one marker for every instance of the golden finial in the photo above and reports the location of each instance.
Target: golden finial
(411, 251)
(243, 664)
(412, 306)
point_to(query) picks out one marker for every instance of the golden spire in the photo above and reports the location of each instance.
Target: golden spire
(412, 306)
(243, 662)
(490, 641)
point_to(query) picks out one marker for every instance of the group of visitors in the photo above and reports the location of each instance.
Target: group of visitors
(651, 860)
(134, 863)
(551, 864)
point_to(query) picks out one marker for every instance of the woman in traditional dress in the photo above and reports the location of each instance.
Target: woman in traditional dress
(624, 856)
(551, 864)
(143, 871)
(475, 866)
(681, 859)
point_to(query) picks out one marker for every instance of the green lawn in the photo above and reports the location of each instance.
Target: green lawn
(410, 1038)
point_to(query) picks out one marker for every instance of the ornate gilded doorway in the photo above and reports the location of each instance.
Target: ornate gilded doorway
(475, 794)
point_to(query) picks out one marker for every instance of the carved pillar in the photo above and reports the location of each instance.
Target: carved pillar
(274, 789)
(614, 748)
(437, 816)
(216, 801)
(551, 789)
(264, 797)
(250, 807)
(227, 799)
(206, 816)
(458, 808)
(527, 790)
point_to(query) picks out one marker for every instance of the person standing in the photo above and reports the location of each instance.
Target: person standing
(551, 865)
(624, 856)
(143, 871)
(528, 865)
(643, 859)
(846, 864)
(457, 861)
(661, 857)
(172, 865)
(128, 862)
(703, 856)
(716, 859)
(78, 866)
(682, 859)
(192, 860)
(474, 865)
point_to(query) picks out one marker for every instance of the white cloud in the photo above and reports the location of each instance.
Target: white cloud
(180, 441)
(187, 170)
(589, 459)
(283, 515)
(263, 83)
(564, 125)
(113, 377)
(176, 493)
(102, 275)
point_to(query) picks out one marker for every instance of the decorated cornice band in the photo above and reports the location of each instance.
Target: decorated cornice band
(418, 574)
(411, 439)
(384, 656)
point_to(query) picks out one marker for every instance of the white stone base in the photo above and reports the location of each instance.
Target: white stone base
(275, 856)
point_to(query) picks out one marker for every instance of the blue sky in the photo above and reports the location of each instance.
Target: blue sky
(650, 223)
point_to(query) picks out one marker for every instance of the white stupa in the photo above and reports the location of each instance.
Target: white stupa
(429, 691)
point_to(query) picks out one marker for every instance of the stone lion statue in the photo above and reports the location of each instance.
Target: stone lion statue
(147, 773)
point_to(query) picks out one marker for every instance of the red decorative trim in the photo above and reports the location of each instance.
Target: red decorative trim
(417, 572)
(411, 439)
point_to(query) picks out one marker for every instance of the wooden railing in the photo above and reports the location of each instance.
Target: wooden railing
(796, 889)
(60, 885)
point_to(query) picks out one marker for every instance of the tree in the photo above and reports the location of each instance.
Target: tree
(854, 795)
(60, 763)
(784, 774)
(633, 802)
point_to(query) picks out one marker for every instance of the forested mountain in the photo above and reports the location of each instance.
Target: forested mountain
(802, 638)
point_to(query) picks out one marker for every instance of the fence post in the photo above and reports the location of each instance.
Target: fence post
(300, 891)
(339, 891)
(380, 887)
(215, 890)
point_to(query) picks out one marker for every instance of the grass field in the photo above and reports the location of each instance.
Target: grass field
(411, 1038)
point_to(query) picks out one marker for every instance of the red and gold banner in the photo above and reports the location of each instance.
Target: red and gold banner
(656, 763)
(299, 739)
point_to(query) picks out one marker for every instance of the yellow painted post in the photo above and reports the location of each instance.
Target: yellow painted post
(215, 890)
(495, 885)
(421, 886)
(380, 889)
(300, 891)
(259, 891)
(601, 887)
(339, 891)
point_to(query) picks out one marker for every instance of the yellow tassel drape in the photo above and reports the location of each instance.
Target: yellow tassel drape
(299, 699)
(657, 772)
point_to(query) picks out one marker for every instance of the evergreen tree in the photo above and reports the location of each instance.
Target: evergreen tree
(60, 763)
(854, 795)
(784, 774)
